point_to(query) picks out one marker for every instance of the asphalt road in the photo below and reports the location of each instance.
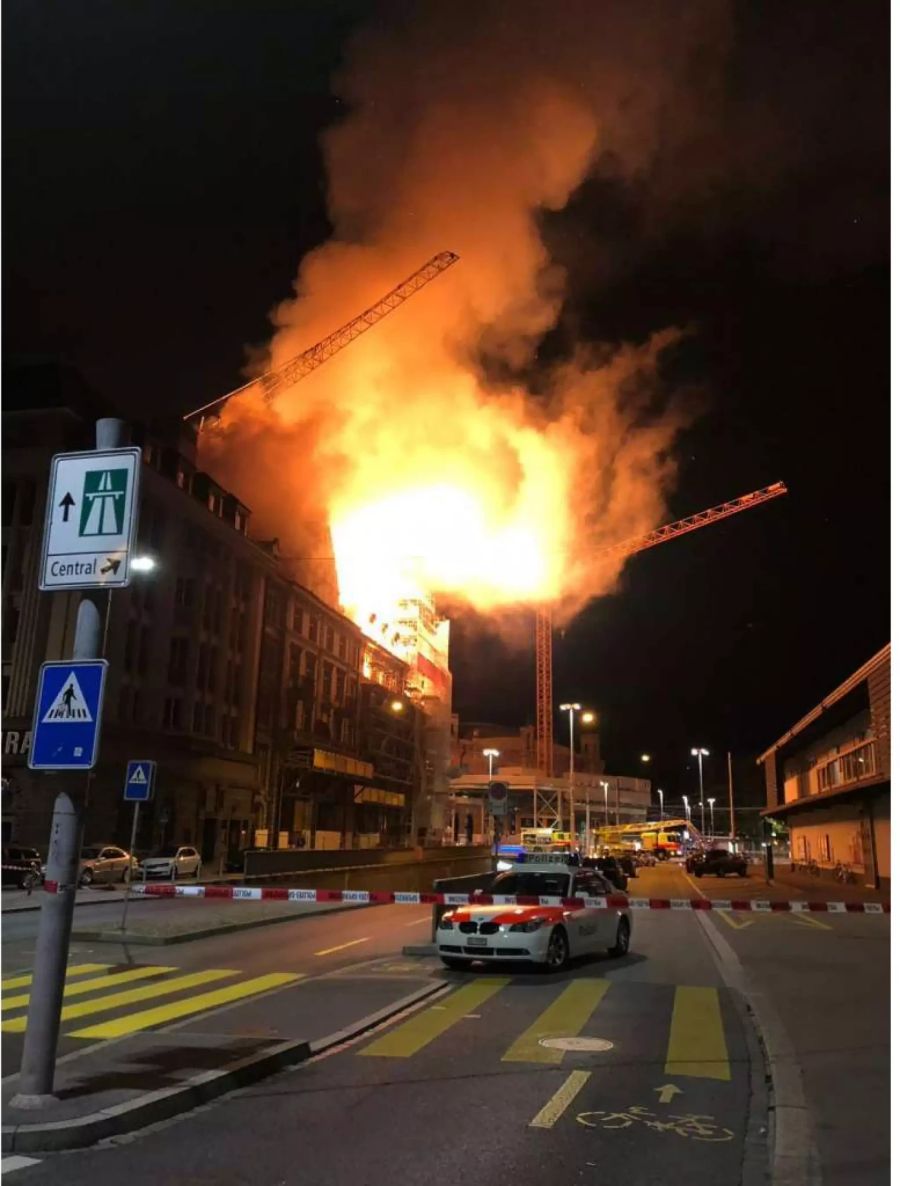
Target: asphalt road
(669, 1082)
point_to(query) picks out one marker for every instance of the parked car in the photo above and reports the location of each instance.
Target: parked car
(627, 861)
(611, 869)
(718, 861)
(171, 861)
(105, 862)
(645, 858)
(21, 866)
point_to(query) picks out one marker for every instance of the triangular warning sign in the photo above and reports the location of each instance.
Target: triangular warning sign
(69, 706)
(138, 778)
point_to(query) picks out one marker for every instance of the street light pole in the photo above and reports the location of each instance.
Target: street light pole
(700, 753)
(606, 805)
(571, 709)
(661, 811)
(712, 825)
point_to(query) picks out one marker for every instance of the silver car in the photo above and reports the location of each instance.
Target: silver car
(171, 861)
(105, 862)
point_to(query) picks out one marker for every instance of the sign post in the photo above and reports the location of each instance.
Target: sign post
(88, 537)
(498, 797)
(139, 781)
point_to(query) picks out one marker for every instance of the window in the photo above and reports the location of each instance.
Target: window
(172, 713)
(198, 717)
(327, 676)
(297, 622)
(345, 732)
(11, 624)
(136, 707)
(329, 638)
(293, 666)
(209, 720)
(342, 646)
(299, 715)
(130, 637)
(212, 669)
(312, 628)
(26, 503)
(184, 592)
(340, 687)
(309, 665)
(178, 651)
(9, 502)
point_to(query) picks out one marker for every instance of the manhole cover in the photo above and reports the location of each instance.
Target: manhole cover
(584, 1044)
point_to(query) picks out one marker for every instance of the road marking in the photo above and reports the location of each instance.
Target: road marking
(560, 1100)
(696, 1035)
(417, 922)
(341, 946)
(72, 970)
(150, 1018)
(410, 1037)
(8, 1164)
(564, 1017)
(738, 924)
(116, 1000)
(82, 986)
(808, 921)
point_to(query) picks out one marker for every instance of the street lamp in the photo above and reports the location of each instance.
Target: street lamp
(588, 718)
(661, 812)
(700, 754)
(571, 709)
(712, 823)
(645, 758)
(687, 807)
(143, 564)
(490, 754)
(397, 706)
(606, 804)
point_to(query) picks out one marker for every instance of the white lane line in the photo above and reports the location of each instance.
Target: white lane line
(417, 922)
(8, 1164)
(342, 946)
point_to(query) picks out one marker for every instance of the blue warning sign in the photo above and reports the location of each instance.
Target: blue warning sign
(67, 711)
(139, 779)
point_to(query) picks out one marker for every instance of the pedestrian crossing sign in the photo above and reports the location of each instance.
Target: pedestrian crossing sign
(67, 711)
(139, 779)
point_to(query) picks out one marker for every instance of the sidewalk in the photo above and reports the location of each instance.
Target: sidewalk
(114, 1087)
(805, 887)
(183, 920)
(14, 901)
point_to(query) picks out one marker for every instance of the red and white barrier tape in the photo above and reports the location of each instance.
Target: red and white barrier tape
(246, 893)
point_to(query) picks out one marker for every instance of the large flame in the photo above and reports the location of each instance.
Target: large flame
(412, 451)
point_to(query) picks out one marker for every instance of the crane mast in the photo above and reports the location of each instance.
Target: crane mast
(303, 364)
(543, 630)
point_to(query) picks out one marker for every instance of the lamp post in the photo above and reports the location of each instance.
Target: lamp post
(712, 823)
(661, 811)
(687, 807)
(571, 709)
(606, 805)
(490, 754)
(700, 754)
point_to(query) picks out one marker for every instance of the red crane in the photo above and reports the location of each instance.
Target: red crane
(544, 622)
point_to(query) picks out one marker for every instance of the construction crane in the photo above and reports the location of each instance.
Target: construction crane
(299, 367)
(543, 634)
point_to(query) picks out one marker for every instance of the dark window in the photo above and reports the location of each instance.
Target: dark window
(312, 628)
(294, 666)
(184, 592)
(198, 717)
(298, 618)
(130, 633)
(172, 713)
(136, 707)
(11, 624)
(144, 651)
(178, 649)
(329, 638)
(26, 503)
(9, 502)
(342, 646)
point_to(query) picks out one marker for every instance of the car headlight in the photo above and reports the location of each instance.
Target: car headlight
(533, 924)
(503, 866)
(446, 923)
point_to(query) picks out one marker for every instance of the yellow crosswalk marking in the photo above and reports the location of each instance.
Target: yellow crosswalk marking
(560, 1100)
(72, 970)
(132, 1023)
(565, 1017)
(115, 1000)
(697, 1036)
(80, 987)
(424, 1027)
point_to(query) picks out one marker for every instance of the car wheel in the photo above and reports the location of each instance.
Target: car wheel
(455, 965)
(623, 939)
(697, 873)
(557, 951)
(86, 877)
(742, 872)
(719, 873)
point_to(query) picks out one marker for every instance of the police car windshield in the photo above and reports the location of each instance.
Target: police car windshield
(532, 883)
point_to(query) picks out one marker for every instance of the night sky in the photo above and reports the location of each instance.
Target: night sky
(163, 179)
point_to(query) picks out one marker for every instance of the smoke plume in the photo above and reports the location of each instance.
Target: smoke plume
(466, 123)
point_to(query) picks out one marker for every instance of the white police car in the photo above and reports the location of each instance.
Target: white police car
(541, 931)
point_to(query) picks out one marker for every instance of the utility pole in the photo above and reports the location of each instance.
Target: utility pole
(730, 795)
(55, 926)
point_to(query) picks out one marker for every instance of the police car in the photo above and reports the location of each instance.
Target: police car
(542, 934)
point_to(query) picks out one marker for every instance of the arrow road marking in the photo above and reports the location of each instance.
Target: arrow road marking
(667, 1093)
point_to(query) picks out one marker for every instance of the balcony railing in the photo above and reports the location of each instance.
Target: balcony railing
(851, 766)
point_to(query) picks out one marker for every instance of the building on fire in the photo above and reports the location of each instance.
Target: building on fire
(272, 717)
(829, 777)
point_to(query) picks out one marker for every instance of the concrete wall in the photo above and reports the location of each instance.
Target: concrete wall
(882, 820)
(410, 869)
(842, 824)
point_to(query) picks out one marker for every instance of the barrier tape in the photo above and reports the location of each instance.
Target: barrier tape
(245, 893)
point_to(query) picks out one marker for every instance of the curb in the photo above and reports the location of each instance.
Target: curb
(208, 1085)
(104, 901)
(795, 1156)
(137, 938)
(419, 949)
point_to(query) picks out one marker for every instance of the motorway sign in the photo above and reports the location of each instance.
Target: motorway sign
(67, 713)
(91, 519)
(139, 779)
(498, 793)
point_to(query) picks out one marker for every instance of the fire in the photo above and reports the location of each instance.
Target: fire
(432, 454)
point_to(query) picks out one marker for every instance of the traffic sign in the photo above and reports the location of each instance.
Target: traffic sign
(139, 779)
(90, 520)
(67, 713)
(498, 793)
